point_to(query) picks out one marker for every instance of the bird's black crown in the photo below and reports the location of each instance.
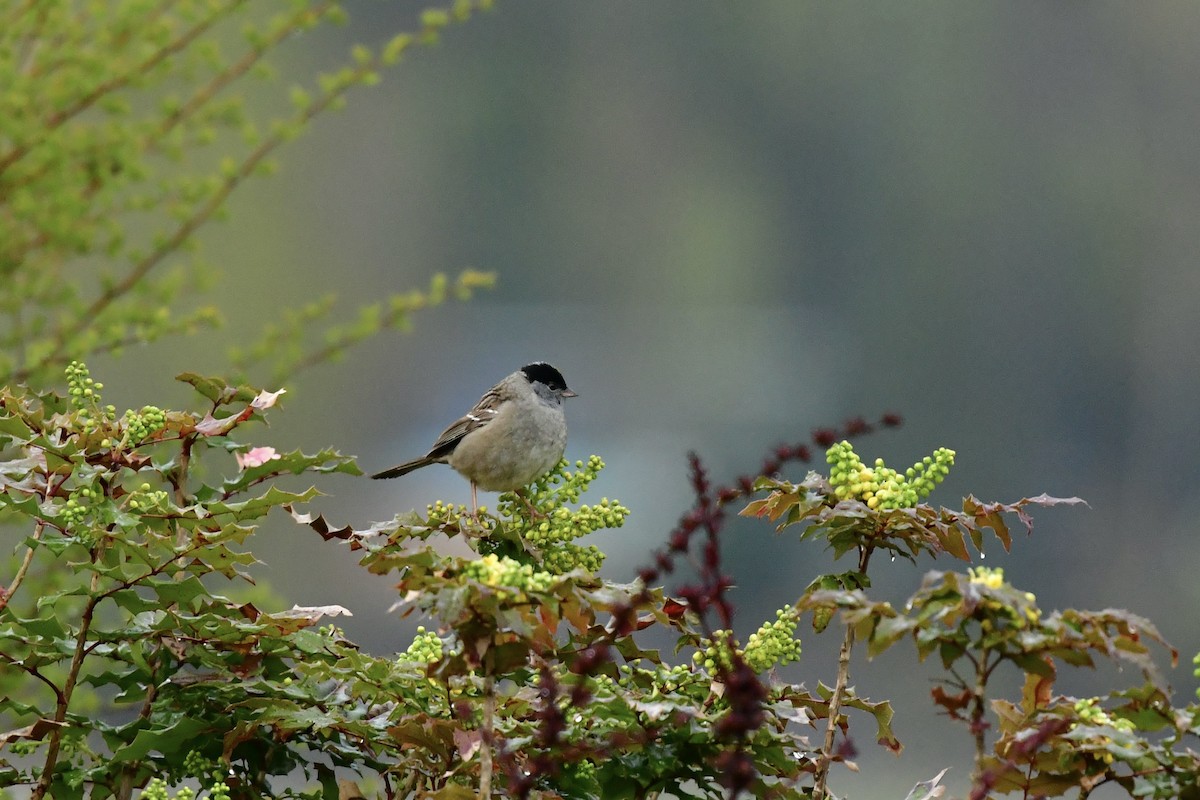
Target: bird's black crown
(542, 372)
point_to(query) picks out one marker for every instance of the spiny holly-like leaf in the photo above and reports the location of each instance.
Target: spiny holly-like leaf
(930, 789)
(851, 525)
(36, 731)
(321, 525)
(310, 615)
(379, 538)
(174, 737)
(217, 389)
(212, 426)
(883, 713)
(291, 463)
(991, 515)
(258, 506)
(265, 399)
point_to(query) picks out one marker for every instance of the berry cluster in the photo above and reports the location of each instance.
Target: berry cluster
(506, 573)
(560, 525)
(880, 486)
(775, 643)
(426, 647)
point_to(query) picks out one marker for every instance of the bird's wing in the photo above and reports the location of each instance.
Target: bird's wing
(483, 413)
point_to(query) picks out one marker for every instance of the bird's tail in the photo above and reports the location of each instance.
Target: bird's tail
(403, 469)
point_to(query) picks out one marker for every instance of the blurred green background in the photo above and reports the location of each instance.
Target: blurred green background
(728, 224)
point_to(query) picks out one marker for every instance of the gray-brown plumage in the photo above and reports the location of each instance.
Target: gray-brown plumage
(514, 434)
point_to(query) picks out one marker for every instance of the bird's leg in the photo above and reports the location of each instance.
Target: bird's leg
(474, 501)
(534, 513)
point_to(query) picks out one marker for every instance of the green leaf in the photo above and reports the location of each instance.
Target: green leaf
(217, 389)
(176, 737)
(294, 463)
(258, 506)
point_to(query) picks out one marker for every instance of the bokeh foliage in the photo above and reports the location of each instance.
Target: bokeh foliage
(124, 128)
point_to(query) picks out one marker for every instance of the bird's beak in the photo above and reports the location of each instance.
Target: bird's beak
(569, 393)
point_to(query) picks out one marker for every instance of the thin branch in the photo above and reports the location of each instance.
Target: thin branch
(979, 692)
(485, 746)
(18, 11)
(89, 99)
(197, 101)
(7, 594)
(34, 672)
(64, 699)
(129, 771)
(235, 71)
(61, 339)
(820, 792)
(189, 226)
(835, 708)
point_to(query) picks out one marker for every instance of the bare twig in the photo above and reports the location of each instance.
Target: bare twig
(25, 562)
(116, 82)
(825, 761)
(234, 71)
(485, 746)
(64, 697)
(835, 708)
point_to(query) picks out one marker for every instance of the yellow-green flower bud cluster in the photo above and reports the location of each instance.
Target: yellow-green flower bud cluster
(444, 513)
(563, 558)
(1089, 712)
(146, 501)
(558, 486)
(584, 769)
(503, 572)
(79, 506)
(1020, 610)
(197, 765)
(426, 647)
(140, 425)
(156, 789)
(82, 389)
(716, 654)
(661, 678)
(137, 426)
(85, 398)
(555, 525)
(775, 643)
(1196, 669)
(880, 486)
(992, 578)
